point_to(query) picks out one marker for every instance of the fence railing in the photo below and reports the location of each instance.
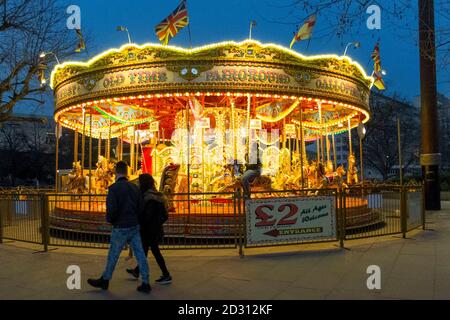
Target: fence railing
(212, 220)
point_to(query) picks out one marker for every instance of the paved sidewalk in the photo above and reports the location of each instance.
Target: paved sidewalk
(414, 268)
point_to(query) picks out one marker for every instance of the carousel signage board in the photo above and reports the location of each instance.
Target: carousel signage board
(275, 220)
(219, 78)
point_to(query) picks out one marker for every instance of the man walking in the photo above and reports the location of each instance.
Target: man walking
(123, 205)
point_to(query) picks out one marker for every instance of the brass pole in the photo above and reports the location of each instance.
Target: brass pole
(334, 151)
(83, 141)
(99, 145)
(322, 149)
(121, 145)
(318, 149)
(350, 149)
(108, 143)
(361, 161)
(137, 152)
(132, 151)
(75, 146)
(301, 145)
(233, 119)
(188, 166)
(57, 157)
(90, 151)
(248, 122)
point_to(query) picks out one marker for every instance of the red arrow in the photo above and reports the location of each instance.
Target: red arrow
(273, 233)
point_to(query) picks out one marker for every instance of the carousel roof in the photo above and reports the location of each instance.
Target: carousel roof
(136, 84)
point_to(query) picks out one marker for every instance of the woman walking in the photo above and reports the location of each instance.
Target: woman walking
(151, 220)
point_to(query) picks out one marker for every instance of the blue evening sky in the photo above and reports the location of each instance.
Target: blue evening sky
(215, 21)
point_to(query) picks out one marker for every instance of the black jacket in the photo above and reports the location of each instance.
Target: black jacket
(153, 215)
(123, 204)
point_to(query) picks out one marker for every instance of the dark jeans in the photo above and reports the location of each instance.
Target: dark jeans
(153, 245)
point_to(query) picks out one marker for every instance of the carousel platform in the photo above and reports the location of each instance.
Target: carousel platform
(211, 218)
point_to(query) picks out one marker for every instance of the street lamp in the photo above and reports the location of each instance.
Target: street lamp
(122, 28)
(45, 54)
(356, 44)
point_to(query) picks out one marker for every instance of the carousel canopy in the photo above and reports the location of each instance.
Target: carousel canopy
(137, 85)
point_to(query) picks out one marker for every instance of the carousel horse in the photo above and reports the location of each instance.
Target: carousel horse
(312, 175)
(222, 180)
(104, 175)
(336, 178)
(262, 183)
(168, 183)
(352, 172)
(77, 182)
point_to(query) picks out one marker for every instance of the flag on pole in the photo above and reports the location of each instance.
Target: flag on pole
(305, 31)
(81, 44)
(169, 27)
(377, 70)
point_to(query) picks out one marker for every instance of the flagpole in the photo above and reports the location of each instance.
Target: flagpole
(190, 36)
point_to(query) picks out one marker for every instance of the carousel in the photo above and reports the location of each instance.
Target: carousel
(195, 118)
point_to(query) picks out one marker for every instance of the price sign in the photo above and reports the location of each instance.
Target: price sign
(290, 219)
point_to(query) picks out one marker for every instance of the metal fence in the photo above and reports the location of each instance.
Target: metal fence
(208, 220)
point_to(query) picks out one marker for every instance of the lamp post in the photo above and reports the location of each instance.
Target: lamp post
(356, 44)
(45, 54)
(125, 29)
(42, 66)
(430, 157)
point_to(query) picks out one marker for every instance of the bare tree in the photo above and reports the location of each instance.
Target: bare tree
(380, 147)
(27, 28)
(345, 19)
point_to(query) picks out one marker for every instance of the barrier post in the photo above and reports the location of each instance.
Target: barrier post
(403, 211)
(45, 226)
(342, 203)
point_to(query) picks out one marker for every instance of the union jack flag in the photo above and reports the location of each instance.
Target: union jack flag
(377, 70)
(170, 26)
